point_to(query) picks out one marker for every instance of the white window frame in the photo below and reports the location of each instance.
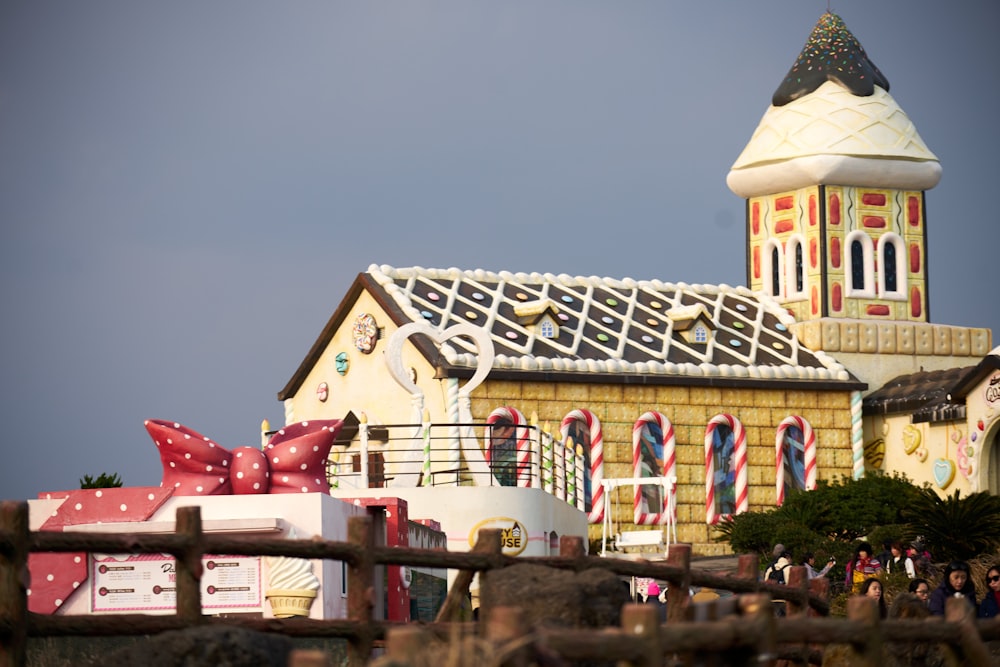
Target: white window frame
(769, 247)
(791, 288)
(899, 294)
(868, 259)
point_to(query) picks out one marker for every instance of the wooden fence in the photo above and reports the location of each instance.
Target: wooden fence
(740, 629)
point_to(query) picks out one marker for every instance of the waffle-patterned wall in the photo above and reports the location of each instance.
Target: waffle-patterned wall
(689, 410)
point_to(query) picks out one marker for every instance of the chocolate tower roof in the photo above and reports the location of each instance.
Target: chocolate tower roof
(831, 53)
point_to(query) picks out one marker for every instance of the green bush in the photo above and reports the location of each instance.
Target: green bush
(103, 481)
(956, 527)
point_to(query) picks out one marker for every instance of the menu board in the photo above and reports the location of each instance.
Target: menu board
(148, 583)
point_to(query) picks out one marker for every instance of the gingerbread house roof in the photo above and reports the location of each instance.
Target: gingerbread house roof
(927, 395)
(611, 330)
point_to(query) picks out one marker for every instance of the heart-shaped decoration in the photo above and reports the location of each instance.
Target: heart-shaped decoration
(944, 472)
(911, 439)
(394, 352)
(922, 454)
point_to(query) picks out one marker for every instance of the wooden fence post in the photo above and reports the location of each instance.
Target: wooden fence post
(189, 566)
(679, 593)
(974, 651)
(758, 610)
(403, 643)
(818, 587)
(361, 590)
(13, 583)
(866, 650)
(642, 621)
(487, 542)
(507, 630)
(797, 578)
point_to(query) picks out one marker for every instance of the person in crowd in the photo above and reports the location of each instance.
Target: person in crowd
(899, 562)
(781, 558)
(954, 583)
(861, 567)
(909, 606)
(653, 598)
(921, 590)
(809, 562)
(990, 606)
(921, 557)
(886, 552)
(872, 588)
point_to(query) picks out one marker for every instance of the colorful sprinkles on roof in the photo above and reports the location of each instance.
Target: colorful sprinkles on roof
(831, 53)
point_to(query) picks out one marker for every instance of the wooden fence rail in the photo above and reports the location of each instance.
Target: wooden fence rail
(736, 628)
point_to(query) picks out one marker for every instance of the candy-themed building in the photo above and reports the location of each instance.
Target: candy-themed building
(826, 364)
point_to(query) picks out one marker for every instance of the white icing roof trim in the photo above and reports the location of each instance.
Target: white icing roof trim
(385, 276)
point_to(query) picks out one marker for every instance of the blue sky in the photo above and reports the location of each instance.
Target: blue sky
(187, 189)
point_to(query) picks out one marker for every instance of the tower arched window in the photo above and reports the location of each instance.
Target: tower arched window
(860, 267)
(774, 269)
(795, 279)
(892, 267)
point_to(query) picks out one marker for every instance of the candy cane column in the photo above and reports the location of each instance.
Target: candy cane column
(669, 464)
(809, 450)
(514, 416)
(740, 456)
(596, 458)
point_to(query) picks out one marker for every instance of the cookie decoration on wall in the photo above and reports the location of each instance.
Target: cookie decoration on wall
(365, 333)
(875, 453)
(342, 363)
(323, 392)
(944, 472)
(911, 438)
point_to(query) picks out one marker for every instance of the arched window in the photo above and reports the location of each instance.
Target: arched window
(725, 468)
(653, 455)
(860, 263)
(584, 428)
(507, 438)
(892, 267)
(795, 279)
(774, 269)
(795, 457)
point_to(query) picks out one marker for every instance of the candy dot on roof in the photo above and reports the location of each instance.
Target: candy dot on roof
(275, 459)
(738, 325)
(318, 483)
(199, 489)
(511, 335)
(292, 449)
(208, 468)
(76, 559)
(478, 296)
(284, 478)
(647, 339)
(521, 296)
(173, 465)
(303, 466)
(740, 307)
(564, 317)
(734, 342)
(611, 302)
(123, 507)
(305, 490)
(602, 337)
(652, 322)
(780, 327)
(470, 314)
(239, 455)
(607, 320)
(76, 584)
(256, 466)
(99, 493)
(78, 507)
(169, 441)
(150, 496)
(239, 475)
(433, 296)
(315, 448)
(187, 455)
(58, 602)
(566, 298)
(655, 304)
(256, 485)
(50, 578)
(225, 462)
(427, 314)
(176, 484)
(779, 346)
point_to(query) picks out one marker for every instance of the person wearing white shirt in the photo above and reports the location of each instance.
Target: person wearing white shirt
(900, 561)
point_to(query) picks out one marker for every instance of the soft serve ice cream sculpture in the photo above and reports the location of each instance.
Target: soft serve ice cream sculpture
(292, 585)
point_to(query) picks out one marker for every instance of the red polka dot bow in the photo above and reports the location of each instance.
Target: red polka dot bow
(294, 460)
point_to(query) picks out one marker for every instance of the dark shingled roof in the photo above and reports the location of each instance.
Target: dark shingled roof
(926, 395)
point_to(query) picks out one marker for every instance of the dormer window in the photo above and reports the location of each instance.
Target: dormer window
(692, 323)
(539, 317)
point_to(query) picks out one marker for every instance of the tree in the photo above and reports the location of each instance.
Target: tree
(956, 527)
(103, 481)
